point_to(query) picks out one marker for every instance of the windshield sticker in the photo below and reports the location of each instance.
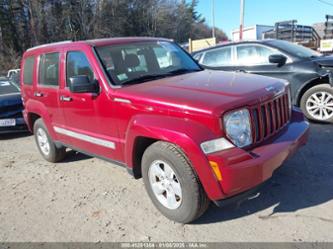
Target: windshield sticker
(122, 77)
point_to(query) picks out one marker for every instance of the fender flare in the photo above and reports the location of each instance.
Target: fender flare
(186, 134)
(303, 88)
(39, 109)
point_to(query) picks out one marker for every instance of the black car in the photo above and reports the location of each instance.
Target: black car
(309, 72)
(11, 119)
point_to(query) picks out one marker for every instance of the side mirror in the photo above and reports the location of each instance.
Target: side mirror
(278, 59)
(82, 84)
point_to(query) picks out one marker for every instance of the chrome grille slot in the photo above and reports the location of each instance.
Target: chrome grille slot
(269, 117)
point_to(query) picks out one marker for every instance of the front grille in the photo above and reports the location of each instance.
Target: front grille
(12, 111)
(270, 117)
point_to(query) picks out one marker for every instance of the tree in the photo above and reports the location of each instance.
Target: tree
(26, 23)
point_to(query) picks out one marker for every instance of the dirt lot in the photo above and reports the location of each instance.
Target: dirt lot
(86, 199)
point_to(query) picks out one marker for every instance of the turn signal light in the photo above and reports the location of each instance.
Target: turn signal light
(216, 170)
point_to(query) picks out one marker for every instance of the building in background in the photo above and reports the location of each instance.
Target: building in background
(320, 29)
(251, 33)
(293, 32)
(328, 27)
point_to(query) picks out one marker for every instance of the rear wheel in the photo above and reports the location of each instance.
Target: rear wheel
(317, 103)
(45, 144)
(172, 184)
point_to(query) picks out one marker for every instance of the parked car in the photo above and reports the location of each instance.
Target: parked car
(11, 118)
(309, 72)
(193, 135)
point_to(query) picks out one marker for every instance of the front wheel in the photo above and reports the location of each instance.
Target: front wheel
(317, 103)
(172, 184)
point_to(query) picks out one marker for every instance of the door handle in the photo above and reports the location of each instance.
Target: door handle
(65, 99)
(38, 94)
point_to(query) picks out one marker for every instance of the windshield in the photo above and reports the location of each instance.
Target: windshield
(293, 49)
(8, 87)
(139, 62)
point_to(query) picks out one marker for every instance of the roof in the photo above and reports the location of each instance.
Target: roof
(253, 27)
(100, 42)
(232, 43)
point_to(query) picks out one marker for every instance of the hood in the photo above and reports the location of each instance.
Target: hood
(324, 61)
(205, 91)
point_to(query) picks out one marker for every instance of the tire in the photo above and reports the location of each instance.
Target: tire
(317, 103)
(191, 199)
(45, 144)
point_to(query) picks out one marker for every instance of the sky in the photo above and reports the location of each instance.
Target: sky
(306, 12)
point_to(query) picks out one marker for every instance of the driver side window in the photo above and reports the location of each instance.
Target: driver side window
(249, 55)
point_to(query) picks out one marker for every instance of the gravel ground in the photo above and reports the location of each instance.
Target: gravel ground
(86, 199)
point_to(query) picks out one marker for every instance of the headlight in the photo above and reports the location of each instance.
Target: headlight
(238, 127)
(216, 145)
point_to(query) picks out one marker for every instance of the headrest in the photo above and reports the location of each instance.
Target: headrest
(132, 60)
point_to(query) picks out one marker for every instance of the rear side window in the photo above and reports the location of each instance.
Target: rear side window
(218, 57)
(28, 68)
(49, 69)
(77, 64)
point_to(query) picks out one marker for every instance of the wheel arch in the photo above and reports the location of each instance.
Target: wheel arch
(309, 84)
(145, 130)
(32, 118)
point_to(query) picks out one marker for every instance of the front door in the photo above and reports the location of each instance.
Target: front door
(86, 113)
(254, 58)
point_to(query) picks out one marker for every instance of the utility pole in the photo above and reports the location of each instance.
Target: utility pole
(213, 18)
(242, 4)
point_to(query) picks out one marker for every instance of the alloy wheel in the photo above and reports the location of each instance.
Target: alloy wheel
(320, 105)
(43, 141)
(165, 184)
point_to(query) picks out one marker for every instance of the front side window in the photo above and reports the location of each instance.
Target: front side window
(77, 65)
(28, 69)
(49, 69)
(144, 61)
(248, 55)
(218, 57)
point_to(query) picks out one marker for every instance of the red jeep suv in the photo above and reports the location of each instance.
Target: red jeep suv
(193, 135)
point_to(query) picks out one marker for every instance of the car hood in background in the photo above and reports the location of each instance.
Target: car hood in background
(324, 61)
(9, 94)
(7, 87)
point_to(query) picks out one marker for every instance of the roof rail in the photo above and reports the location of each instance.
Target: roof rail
(49, 44)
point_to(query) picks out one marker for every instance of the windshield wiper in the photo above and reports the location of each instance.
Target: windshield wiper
(144, 78)
(149, 77)
(182, 71)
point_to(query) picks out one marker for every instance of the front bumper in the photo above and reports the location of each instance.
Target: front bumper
(243, 170)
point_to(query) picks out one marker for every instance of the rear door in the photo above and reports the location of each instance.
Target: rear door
(220, 58)
(46, 91)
